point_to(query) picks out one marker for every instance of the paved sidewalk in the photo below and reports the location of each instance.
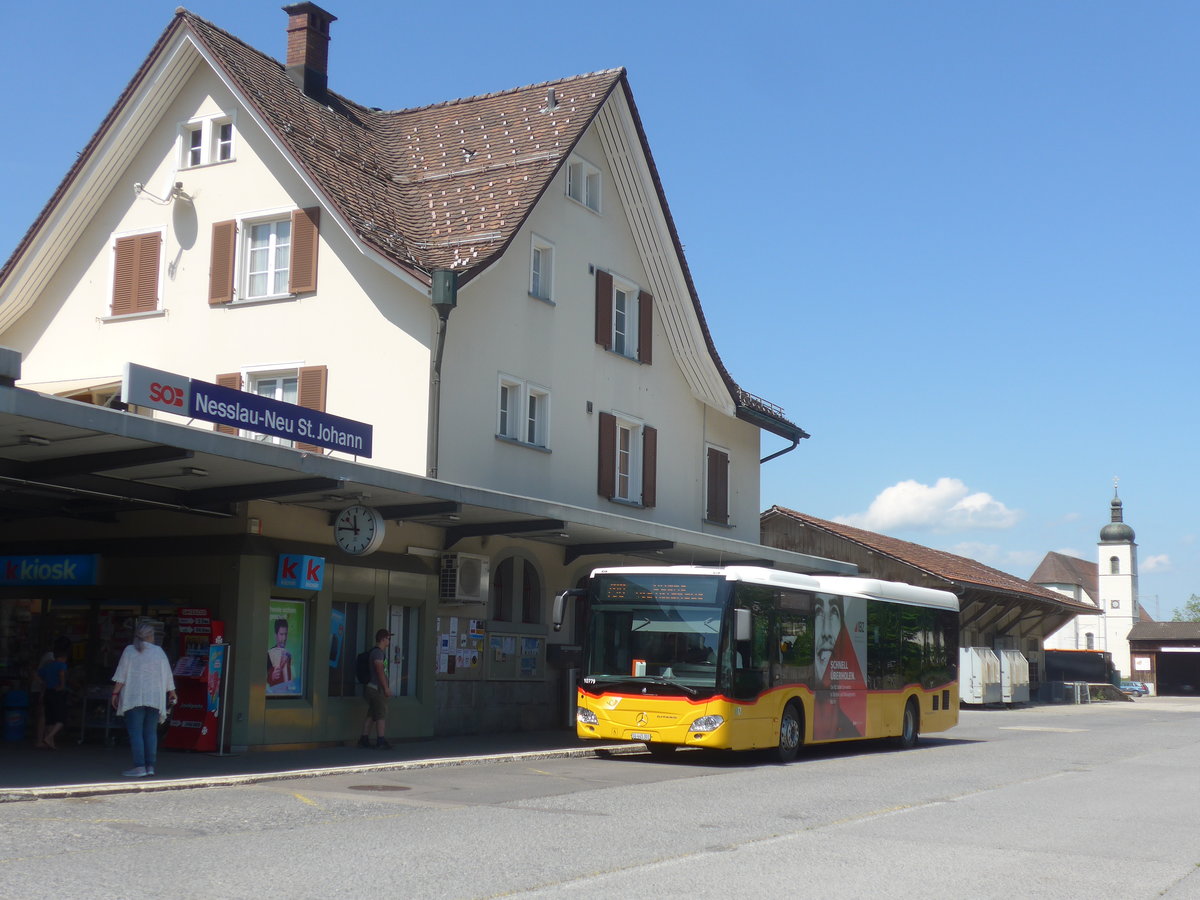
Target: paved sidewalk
(89, 769)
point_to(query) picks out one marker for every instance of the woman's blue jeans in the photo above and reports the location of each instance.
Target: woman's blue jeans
(142, 724)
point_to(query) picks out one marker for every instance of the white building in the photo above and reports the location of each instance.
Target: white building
(1110, 585)
(495, 284)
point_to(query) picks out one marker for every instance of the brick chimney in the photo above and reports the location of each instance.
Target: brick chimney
(308, 47)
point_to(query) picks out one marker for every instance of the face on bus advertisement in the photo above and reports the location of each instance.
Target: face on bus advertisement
(827, 621)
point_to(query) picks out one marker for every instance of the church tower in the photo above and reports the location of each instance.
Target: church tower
(1118, 585)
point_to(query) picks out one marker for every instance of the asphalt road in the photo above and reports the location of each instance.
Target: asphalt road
(1089, 801)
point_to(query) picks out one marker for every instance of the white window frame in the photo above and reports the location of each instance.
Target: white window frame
(246, 225)
(541, 268)
(250, 378)
(206, 151)
(584, 183)
(631, 472)
(625, 343)
(513, 419)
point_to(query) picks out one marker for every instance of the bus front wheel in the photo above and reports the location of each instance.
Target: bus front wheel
(791, 733)
(911, 729)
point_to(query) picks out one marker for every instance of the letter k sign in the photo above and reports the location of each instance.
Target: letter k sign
(288, 568)
(314, 566)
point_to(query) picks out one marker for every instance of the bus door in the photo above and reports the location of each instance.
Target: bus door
(755, 718)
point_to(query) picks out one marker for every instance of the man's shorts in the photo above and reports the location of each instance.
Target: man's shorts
(376, 703)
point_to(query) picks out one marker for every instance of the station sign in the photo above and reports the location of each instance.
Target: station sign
(154, 388)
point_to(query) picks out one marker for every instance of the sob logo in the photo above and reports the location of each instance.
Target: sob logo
(167, 394)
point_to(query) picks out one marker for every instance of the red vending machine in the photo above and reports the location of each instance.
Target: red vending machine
(198, 675)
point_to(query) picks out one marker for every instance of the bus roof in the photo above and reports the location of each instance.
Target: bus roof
(754, 574)
(848, 586)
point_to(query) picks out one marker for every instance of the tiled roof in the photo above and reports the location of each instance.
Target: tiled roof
(1058, 568)
(440, 186)
(953, 568)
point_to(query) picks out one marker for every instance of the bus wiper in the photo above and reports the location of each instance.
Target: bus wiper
(658, 679)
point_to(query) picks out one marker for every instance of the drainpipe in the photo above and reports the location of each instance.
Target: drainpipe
(445, 298)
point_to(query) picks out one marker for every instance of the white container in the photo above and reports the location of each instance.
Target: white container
(979, 676)
(1014, 677)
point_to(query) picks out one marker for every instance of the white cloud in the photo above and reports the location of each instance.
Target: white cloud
(1159, 563)
(947, 505)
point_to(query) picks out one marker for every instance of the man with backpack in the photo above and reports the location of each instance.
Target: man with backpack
(372, 671)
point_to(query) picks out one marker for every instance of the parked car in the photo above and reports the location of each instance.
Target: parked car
(1136, 688)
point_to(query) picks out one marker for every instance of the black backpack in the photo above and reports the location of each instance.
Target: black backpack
(363, 668)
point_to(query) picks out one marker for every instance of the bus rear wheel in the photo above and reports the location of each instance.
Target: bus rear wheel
(791, 733)
(910, 730)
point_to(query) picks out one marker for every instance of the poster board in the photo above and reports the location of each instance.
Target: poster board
(459, 650)
(515, 657)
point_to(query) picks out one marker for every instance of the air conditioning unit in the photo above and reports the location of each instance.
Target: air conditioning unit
(464, 578)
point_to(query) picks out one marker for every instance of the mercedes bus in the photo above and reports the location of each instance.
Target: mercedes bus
(749, 658)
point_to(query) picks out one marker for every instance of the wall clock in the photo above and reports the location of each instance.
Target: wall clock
(358, 530)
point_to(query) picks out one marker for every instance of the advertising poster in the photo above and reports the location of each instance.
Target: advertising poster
(285, 655)
(216, 675)
(337, 637)
(840, 657)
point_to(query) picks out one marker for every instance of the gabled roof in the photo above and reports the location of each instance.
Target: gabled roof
(958, 570)
(441, 186)
(1058, 568)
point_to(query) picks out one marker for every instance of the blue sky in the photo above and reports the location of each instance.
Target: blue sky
(957, 242)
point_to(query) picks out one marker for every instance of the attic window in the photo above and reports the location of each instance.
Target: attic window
(206, 141)
(583, 183)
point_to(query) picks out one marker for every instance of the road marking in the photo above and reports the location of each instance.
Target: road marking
(304, 799)
(1041, 728)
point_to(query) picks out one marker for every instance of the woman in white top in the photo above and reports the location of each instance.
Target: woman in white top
(142, 686)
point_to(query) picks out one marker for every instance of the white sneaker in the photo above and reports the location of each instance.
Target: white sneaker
(135, 772)
(149, 770)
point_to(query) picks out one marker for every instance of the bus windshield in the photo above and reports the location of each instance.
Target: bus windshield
(661, 632)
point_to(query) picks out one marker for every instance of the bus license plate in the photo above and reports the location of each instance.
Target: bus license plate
(639, 736)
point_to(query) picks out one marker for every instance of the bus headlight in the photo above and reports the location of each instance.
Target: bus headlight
(707, 723)
(586, 716)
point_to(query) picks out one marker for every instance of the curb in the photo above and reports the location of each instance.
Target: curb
(68, 791)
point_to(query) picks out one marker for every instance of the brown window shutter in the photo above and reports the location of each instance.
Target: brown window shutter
(149, 252)
(232, 380)
(135, 274)
(718, 487)
(606, 473)
(124, 277)
(313, 382)
(220, 269)
(645, 328)
(649, 466)
(302, 275)
(604, 310)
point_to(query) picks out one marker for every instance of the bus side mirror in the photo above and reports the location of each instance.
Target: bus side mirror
(559, 610)
(743, 627)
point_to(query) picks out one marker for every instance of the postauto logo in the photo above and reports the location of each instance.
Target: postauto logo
(60, 569)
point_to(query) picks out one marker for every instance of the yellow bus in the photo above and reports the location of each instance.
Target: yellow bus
(748, 658)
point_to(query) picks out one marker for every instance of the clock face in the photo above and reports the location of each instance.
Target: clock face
(358, 530)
